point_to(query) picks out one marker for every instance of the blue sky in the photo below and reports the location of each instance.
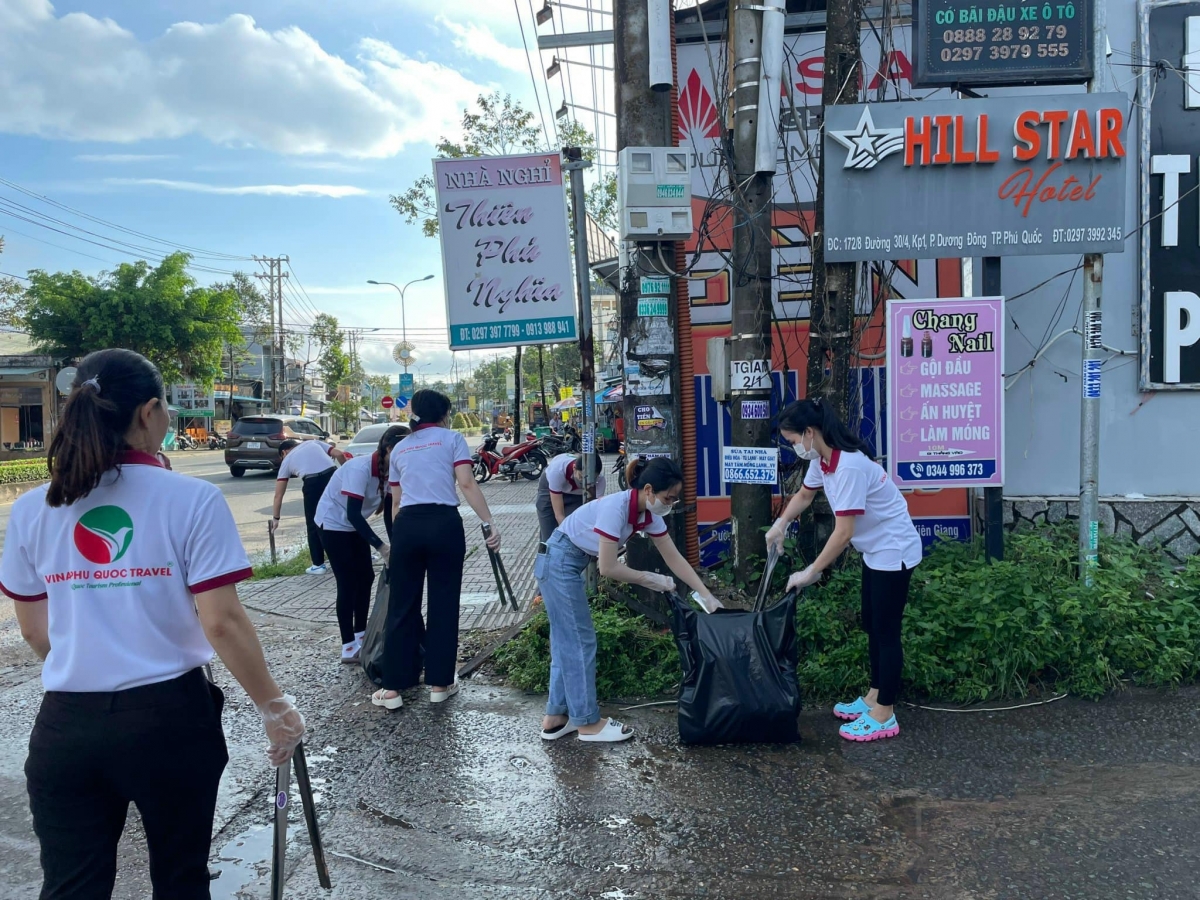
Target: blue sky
(251, 127)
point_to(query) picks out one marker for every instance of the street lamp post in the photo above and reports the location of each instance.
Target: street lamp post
(403, 311)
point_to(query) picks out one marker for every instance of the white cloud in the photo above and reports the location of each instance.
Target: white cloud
(77, 77)
(123, 157)
(482, 43)
(268, 190)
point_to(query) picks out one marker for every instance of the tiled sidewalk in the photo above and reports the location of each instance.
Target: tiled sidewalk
(313, 598)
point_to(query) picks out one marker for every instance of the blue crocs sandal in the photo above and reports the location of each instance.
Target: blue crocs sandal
(864, 728)
(851, 711)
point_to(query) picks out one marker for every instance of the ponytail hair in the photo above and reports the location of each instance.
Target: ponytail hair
(820, 414)
(109, 388)
(387, 443)
(660, 473)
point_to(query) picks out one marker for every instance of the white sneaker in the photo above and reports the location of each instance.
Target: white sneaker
(322, 569)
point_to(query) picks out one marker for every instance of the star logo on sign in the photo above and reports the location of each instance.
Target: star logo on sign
(868, 144)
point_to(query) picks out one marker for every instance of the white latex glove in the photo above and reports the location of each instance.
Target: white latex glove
(710, 603)
(385, 553)
(655, 582)
(284, 726)
(273, 525)
(776, 534)
(803, 579)
(493, 541)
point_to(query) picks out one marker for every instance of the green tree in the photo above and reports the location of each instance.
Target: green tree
(333, 363)
(601, 202)
(158, 311)
(382, 386)
(11, 293)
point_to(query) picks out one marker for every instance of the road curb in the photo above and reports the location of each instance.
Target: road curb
(10, 492)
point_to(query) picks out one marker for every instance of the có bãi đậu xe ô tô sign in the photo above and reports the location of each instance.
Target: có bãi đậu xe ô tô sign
(1003, 176)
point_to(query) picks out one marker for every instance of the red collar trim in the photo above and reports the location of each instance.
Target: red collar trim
(632, 518)
(833, 462)
(427, 425)
(138, 458)
(571, 475)
(375, 464)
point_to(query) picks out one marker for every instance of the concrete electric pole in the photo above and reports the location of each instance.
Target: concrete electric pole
(274, 277)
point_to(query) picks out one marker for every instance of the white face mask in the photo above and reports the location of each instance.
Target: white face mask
(660, 507)
(809, 453)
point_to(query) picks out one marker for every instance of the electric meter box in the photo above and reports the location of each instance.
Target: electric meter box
(654, 192)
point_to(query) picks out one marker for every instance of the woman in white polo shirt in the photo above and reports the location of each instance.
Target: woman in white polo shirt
(428, 469)
(598, 530)
(560, 489)
(872, 516)
(354, 494)
(108, 579)
(314, 463)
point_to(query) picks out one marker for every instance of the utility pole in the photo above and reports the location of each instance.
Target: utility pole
(831, 319)
(517, 434)
(542, 381)
(751, 315)
(583, 283)
(274, 277)
(1093, 360)
(644, 120)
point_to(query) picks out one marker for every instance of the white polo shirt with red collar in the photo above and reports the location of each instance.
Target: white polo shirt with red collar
(563, 477)
(309, 458)
(358, 478)
(119, 569)
(615, 517)
(858, 486)
(423, 465)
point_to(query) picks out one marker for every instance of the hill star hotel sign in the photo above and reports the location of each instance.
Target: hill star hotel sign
(1004, 176)
(506, 255)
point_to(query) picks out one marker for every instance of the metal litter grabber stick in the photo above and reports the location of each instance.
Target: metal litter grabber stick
(499, 572)
(283, 783)
(765, 584)
(310, 815)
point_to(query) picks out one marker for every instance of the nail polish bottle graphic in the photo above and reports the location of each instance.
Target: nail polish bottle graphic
(927, 345)
(906, 347)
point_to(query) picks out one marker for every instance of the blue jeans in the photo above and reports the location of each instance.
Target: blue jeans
(559, 572)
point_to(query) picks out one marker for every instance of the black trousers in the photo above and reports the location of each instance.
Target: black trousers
(427, 540)
(350, 557)
(312, 488)
(884, 596)
(545, 511)
(159, 747)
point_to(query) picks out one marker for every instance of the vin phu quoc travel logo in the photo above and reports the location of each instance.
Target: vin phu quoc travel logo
(104, 534)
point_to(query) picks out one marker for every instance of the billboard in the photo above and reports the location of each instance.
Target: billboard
(945, 392)
(506, 251)
(1170, 202)
(1003, 176)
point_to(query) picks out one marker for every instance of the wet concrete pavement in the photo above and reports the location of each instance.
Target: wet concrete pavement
(463, 800)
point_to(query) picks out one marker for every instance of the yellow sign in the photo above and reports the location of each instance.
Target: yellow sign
(566, 416)
(471, 402)
(564, 393)
(222, 426)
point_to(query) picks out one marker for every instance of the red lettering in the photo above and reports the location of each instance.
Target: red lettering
(1055, 118)
(896, 69)
(1027, 135)
(915, 137)
(1091, 188)
(941, 156)
(1109, 124)
(982, 151)
(1019, 188)
(811, 69)
(1063, 191)
(961, 154)
(1082, 140)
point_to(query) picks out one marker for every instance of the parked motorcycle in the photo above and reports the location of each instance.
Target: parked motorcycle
(619, 468)
(216, 442)
(185, 441)
(524, 460)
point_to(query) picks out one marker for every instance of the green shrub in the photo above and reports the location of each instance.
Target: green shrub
(295, 564)
(973, 630)
(22, 471)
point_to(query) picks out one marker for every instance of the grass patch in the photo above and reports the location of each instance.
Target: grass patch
(296, 564)
(973, 631)
(22, 471)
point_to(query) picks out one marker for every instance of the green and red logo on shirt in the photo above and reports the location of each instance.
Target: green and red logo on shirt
(103, 534)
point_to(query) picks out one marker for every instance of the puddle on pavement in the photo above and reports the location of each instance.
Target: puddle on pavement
(243, 861)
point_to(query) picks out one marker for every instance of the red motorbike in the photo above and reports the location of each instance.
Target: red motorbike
(518, 461)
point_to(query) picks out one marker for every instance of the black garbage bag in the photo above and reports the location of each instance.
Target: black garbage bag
(739, 674)
(370, 656)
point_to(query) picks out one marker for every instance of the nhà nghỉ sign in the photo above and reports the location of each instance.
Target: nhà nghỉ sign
(506, 254)
(1003, 176)
(945, 392)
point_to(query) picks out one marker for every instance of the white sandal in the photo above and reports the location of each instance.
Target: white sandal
(561, 731)
(613, 732)
(378, 699)
(441, 696)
